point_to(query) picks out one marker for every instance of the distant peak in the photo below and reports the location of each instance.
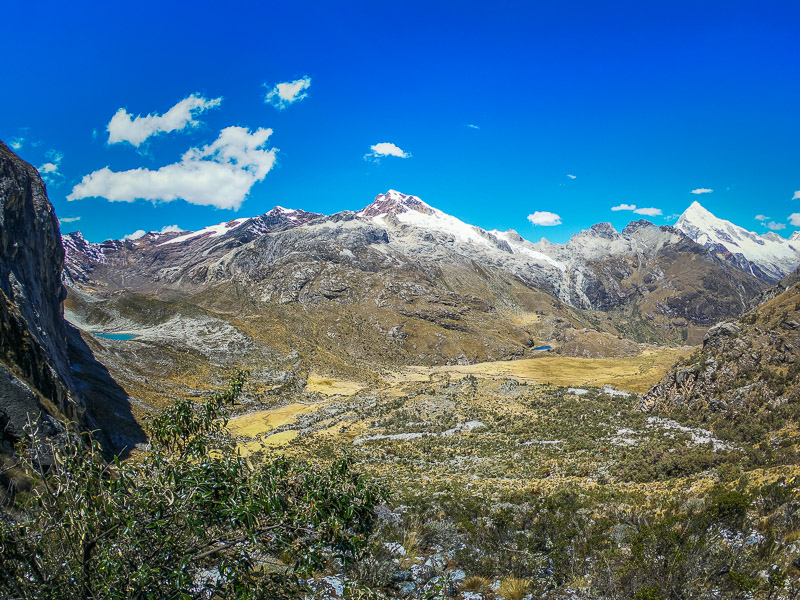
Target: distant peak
(395, 202)
(695, 209)
(604, 230)
(636, 226)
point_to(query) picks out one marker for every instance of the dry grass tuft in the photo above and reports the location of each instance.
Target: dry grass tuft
(513, 588)
(476, 584)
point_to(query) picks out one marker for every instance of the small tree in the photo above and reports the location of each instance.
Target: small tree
(190, 518)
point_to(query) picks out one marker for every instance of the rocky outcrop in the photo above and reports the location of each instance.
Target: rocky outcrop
(744, 366)
(35, 377)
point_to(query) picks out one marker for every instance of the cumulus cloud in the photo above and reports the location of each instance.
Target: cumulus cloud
(776, 226)
(288, 92)
(139, 233)
(571, 176)
(762, 218)
(796, 195)
(16, 143)
(219, 174)
(135, 235)
(544, 218)
(471, 126)
(124, 127)
(702, 191)
(649, 212)
(49, 170)
(383, 149)
(69, 219)
(794, 219)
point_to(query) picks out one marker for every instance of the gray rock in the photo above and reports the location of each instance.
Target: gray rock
(407, 588)
(33, 343)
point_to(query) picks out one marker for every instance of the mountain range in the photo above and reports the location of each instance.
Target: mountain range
(432, 288)
(396, 283)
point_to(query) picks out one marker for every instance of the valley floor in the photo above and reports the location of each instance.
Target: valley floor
(539, 470)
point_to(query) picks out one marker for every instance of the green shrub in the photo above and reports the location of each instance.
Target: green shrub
(728, 507)
(191, 506)
(647, 593)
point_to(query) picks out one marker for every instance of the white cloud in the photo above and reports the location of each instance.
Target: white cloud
(471, 126)
(135, 235)
(123, 127)
(385, 149)
(219, 174)
(16, 142)
(649, 212)
(49, 170)
(762, 218)
(69, 219)
(139, 233)
(544, 218)
(776, 226)
(794, 219)
(571, 176)
(288, 92)
(796, 195)
(702, 191)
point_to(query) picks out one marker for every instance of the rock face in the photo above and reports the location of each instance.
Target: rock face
(35, 373)
(745, 366)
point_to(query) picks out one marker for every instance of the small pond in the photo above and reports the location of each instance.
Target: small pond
(115, 336)
(542, 348)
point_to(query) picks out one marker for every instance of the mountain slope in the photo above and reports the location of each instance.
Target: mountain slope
(35, 375)
(768, 256)
(401, 282)
(47, 373)
(747, 371)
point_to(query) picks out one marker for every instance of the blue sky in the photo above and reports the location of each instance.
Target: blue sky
(494, 106)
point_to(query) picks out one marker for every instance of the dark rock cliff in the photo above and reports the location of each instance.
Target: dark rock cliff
(35, 377)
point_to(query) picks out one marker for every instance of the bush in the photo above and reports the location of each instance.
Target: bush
(728, 507)
(192, 518)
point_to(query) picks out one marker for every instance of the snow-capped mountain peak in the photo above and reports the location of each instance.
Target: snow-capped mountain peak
(769, 255)
(212, 231)
(396, 203)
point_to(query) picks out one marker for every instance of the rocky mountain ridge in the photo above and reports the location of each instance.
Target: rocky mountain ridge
(399, 283)
(767, 256)
(598, 269)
